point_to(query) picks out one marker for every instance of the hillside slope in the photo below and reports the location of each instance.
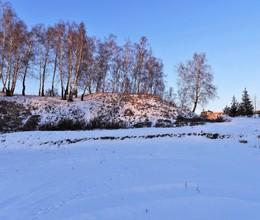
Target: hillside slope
(96, 111)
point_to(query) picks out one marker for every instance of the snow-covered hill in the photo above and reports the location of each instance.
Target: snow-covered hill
(46, 175)
(96, 111)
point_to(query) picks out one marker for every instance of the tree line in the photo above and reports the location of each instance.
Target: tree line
(77, 64)
(243, 108)
(74, 61)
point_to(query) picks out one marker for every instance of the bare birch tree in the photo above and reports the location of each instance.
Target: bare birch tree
(12, 32)
(127, 66)
(27, 58)
(16, 64)
(81, 41)
(43, 37)
(141, 55)
(195, 81)
(59, 44)
(7, 16)
(87, 77)
(116, 67)
(104, 54)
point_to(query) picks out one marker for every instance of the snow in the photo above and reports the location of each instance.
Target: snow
(187, 177)
(105, 107)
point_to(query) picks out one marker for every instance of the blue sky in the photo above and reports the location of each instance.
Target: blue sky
(227, 31)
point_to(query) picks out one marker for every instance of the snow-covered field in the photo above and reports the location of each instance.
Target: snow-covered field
(45, 175)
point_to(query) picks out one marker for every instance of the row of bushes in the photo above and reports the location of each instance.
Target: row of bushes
(69, 124)
(97, 123)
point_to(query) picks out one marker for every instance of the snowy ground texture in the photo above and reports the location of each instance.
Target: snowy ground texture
(49, 175)
(123, 110)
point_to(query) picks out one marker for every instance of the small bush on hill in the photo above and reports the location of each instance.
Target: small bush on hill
(181, 121)
(64, 124)
(163, 123)
(99, 123)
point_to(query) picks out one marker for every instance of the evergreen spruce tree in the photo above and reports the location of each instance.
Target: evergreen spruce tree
(246, 107)
(233, 112)
(226, 110)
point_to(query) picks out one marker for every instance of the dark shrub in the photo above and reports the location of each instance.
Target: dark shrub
(100, 123)
(32, 123)
(146, 124)
(64, 124)
(163, 123)
(128, 112)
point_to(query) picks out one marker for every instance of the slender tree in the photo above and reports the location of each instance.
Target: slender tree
(87, 78)
(53, 59)
(18, 54)
(104, 55)
(127, 64)
(7, 20)
(141, 54)
(81, 42)
(70, 57)
(28, 57)
(116, 66)
(157, 83)
(60, 36)
(43, 37)
(12, 39)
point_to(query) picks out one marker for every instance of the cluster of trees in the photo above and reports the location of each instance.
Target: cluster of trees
(243, 108)
(73, 60)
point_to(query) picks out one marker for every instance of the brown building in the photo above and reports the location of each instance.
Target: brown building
(210, 114)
